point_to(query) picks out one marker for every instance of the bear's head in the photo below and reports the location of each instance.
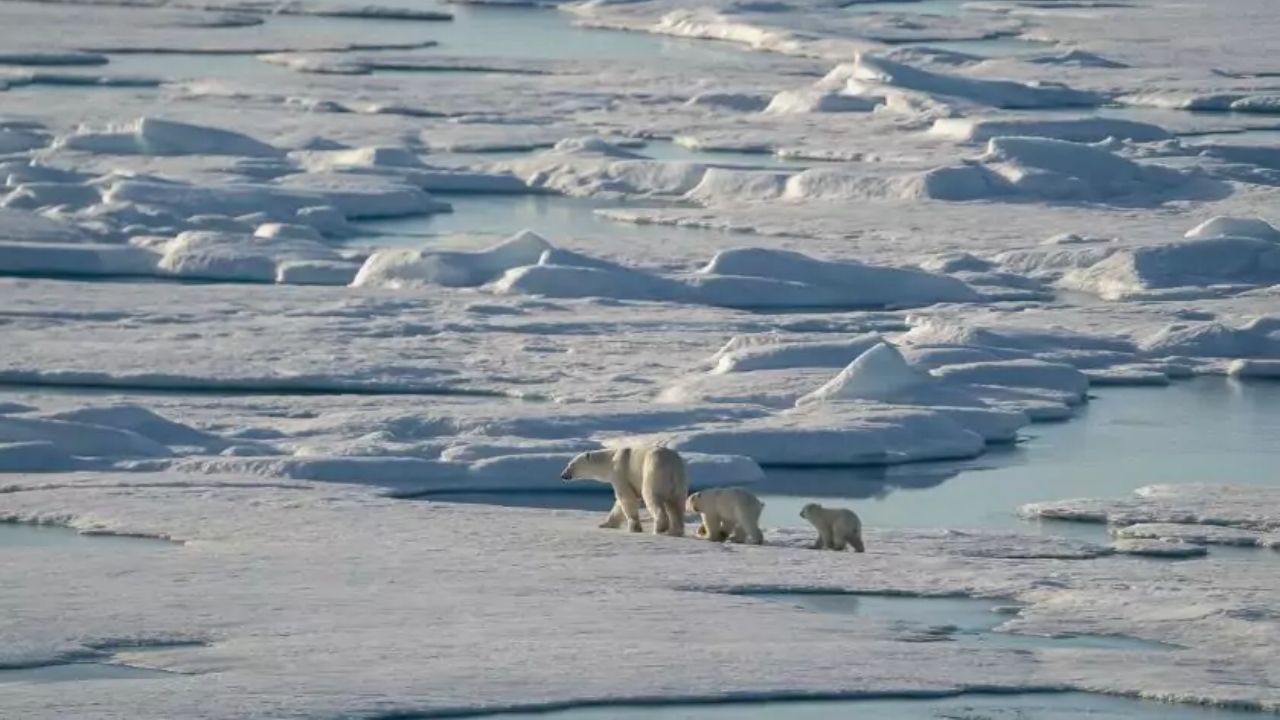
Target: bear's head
(693, 503)
(593, 465)
(808, 511)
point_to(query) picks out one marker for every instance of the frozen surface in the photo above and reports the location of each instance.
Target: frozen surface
(278, 285)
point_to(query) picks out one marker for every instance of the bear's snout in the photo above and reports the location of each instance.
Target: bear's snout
(566, 475)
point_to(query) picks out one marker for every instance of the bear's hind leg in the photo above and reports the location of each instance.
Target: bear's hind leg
(657, 511)
(675, 516)
(855, 540)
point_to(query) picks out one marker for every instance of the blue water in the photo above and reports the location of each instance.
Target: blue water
(1122, 440)
(551, 216)
(78, 671)
(1125, 438)
(1044, 706)
(26, 535)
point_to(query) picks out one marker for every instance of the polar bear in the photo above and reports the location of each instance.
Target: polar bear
(836, 527)
(728, 512)
(653, 473)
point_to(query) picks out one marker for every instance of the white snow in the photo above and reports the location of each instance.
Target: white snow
(263, 278)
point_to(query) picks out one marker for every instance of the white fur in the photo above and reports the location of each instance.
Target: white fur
(728, 512)
(653, 473)
(836, 527)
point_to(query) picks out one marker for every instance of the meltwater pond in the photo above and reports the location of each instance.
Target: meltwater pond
(552, 216)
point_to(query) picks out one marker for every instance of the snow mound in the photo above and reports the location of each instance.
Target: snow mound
(80, 439)
(147, 424)
(1255, 509)
(883, 375)
(79, 260)
(1196, 534)
(38, 456)
(834, 437)
(745, 353)
(209, 255)
(13, 140)
(1198, 264)
(152, 136)
(1081, 130)
(1036, 374)
(814, 100)
(1255, 339)
(347, 195)
(872, 75)
(1059, 170)
(1223, 226)
(880, 373)
(1158, 548)
(740, 102)
(1077, 58)
(526, 264)
(400, 268)
(847, 283)
(1262, 104)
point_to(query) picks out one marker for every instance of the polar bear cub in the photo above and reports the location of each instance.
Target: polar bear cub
(653, 473)
(728, 512)
(836, 527)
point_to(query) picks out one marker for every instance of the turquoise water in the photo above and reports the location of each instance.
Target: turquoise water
(26, 535)
(1124, 439)
(551, 216)
(78, 671)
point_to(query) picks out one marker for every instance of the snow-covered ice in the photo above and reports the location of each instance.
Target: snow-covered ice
(230, 320)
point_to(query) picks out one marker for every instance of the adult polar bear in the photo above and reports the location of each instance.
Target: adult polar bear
(654, 473)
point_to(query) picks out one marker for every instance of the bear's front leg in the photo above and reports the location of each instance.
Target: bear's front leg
(631, 509)
(615, 517)
(824, 539)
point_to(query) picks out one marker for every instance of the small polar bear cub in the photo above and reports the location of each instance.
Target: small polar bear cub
(651, 473)
(728, 512)
(836, 527)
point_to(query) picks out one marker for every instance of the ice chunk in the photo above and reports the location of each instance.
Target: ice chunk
(813, 100)
(80, 439)
(36, 456)
(1224, 226)
(1018, 374)
(79, 260)
(853, 282)
(874, 75)
(404, 268)
(1197, 264)
(153, 136)
(746, 353)
(146, 423)
(1081, 130)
